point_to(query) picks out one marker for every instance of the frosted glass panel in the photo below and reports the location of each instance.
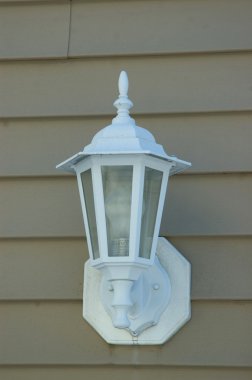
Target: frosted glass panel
(87, 185)
(117, 187)
(152, 187)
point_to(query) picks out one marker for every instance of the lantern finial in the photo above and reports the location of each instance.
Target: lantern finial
(123, 103)
(123, 84)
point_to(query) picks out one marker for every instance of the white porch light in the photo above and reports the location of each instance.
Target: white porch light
(136, 285)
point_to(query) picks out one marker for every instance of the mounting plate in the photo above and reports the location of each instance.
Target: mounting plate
(146, 327)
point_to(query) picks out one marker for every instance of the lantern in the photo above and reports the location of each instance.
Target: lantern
(122, 178)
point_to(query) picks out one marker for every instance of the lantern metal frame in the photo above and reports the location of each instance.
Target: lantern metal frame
(139, 163)
(130, 292)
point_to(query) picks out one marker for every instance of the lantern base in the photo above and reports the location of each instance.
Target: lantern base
(149, 294)
(160, 300)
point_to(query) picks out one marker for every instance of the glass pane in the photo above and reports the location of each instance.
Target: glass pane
(152, 187)
(87, 184)
(117, 186)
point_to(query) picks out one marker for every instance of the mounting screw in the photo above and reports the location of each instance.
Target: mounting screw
(156, 286)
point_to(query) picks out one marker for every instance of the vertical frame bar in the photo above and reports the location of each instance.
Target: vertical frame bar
(99, 207)
(84, 214)
(136, 208)
(160, 210)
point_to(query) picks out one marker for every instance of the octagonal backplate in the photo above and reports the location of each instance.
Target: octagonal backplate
(176, 314)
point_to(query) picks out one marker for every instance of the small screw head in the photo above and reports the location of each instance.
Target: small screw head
(156, 286)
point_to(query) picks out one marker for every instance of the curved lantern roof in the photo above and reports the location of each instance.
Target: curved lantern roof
(123, 136)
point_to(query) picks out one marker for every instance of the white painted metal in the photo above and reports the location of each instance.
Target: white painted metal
(147, 298)
(123, 136)
(84, 213)
(99, 209)
(151, 325)
(136, 208)
(140, 285)
(139, 163)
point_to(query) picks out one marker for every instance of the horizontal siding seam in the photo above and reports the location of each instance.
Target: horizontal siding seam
(79, 301)
(31, 2)
(83, 238)
(71, 177)
(174, 235)
(134, 115)
(121, 366)
(97, 57)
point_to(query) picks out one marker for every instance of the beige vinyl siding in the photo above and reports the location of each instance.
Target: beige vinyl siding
(51, 140)
(30, 30)
(96, 28)
(191, 83)
(189, 64)
(180, 26)
(221, 268)
(123, 373)
(54, 333)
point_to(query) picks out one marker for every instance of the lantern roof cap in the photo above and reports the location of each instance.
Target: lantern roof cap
(123, 136)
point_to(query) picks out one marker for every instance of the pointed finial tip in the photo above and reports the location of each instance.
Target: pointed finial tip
(123, 83)
(123, 103)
